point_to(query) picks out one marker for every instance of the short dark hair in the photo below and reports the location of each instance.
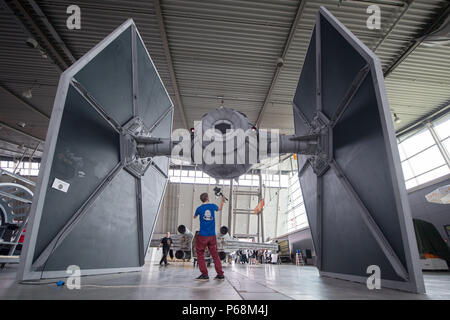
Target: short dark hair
(204, 197)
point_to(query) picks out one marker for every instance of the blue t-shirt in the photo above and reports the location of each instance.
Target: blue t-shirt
(207, 219)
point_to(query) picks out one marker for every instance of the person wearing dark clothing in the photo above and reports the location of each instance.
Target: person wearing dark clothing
(166, 242)
(261, 256)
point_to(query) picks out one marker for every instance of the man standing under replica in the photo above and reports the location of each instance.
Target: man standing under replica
(207, 237)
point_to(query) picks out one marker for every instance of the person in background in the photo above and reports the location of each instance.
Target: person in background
(261, 256)
(207, 237)
(245, 256)
(166, 242)
(268, 256)
(253, 257)
(238, 257)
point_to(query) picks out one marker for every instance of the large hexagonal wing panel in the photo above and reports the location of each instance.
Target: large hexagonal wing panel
(90, 203)
(356, 204)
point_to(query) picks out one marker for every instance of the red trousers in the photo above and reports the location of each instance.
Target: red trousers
(200, 244)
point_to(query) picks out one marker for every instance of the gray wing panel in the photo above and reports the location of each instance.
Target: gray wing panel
(358, 213)
(86, 151)
(153, 187)
(153, 99)
(107, 236)
(100, 215)
(108, 78)
(154, 182)
(163, 130)
(308, 183)
(340, 64)
(359, 149)
(305, 95)
(348, 247)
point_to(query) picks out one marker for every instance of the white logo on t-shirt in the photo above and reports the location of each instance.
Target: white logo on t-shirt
(207, 216)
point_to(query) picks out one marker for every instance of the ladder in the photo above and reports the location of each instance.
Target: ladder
(250, 192)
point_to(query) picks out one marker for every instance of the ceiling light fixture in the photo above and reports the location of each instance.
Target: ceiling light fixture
(32, 43)
(221, 103)
(280, 62)
(43, 54)
(27, 94)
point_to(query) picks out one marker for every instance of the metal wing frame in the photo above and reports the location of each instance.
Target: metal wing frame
(341, 96)
(116, 107)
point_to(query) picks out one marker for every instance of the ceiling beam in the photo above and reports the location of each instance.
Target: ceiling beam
(168, 55)
(10, 151)
(379, 2)
(13, 144)
(30, 28)
(287, 45)
(405, 9)
(18, 177)
(2, 124)
(28, 19)
(13, 197)
(52, 30)
(436, 21)
(423, 120)
(57, 60)
(23, 102)
(12, 154)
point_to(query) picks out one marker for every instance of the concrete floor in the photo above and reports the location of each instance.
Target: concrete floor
(242, 282)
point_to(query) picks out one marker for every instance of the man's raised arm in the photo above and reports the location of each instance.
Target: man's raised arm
(221, 203)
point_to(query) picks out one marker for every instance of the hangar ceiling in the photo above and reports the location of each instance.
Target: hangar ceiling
(213, 53)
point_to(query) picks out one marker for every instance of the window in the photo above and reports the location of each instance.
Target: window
(426, 160)
(296, 213)
(423, 153)
(415, 144)
(27, 169)
(249, 180)
(442, 128)
(446, 144)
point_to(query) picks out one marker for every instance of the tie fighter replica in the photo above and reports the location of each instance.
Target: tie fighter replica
(105, 165)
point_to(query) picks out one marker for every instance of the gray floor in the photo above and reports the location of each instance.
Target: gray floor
(242, 282)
